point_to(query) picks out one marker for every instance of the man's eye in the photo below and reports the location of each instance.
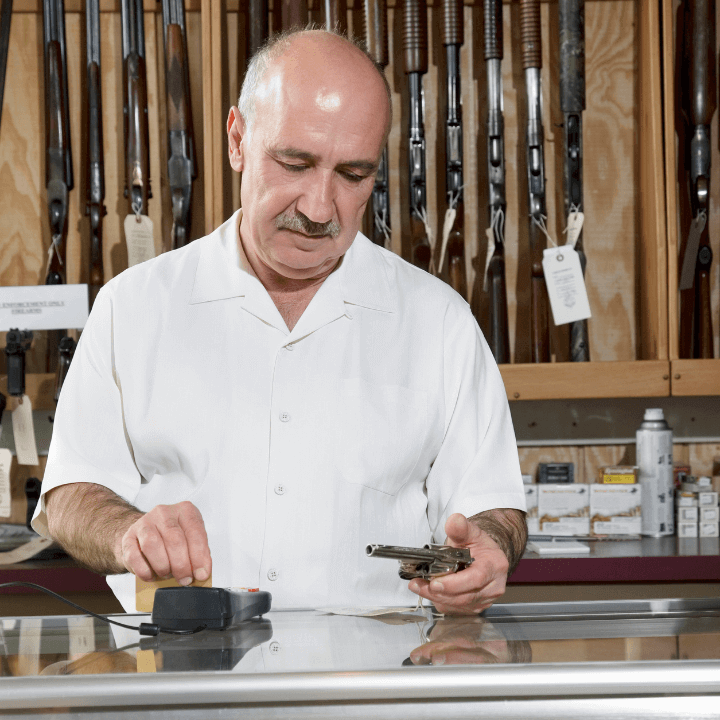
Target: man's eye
(352, 177)
(294, 168)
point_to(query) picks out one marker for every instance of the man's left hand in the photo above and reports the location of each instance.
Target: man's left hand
(476, 587)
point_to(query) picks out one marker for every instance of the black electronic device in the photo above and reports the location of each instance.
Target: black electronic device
(556, 472)
(187, 608)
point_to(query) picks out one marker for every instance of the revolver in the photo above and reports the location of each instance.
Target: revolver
(426, 562)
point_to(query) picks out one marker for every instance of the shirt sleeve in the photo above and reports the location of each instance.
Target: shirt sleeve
(89, 440)
(477, 467)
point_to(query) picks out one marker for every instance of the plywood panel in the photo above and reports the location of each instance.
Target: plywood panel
(596, 457)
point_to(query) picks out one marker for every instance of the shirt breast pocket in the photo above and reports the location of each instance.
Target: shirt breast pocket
(377, 433)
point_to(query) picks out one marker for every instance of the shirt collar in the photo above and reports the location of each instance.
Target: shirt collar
(223, 271)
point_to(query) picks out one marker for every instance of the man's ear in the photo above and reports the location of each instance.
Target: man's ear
(236, 133)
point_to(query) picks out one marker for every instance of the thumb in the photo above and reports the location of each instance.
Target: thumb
(460, 532)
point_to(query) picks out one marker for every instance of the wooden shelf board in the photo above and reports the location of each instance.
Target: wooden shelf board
(549, 381)
(695, 377)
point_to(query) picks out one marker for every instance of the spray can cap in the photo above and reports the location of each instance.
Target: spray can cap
(654, 414)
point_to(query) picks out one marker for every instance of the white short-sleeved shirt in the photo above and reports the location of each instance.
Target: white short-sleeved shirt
(379, 415)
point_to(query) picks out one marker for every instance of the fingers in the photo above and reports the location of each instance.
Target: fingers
(168, 541)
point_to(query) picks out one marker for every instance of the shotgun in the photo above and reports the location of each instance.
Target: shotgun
(5, 22)
(532, 63)
(415, 46)
(572, 103)
(452, 39)
(182, 165)
(137, 153)
(58, 157)
(700, 104)
(376, 37)
(335, 16)
(94, 206)
(497, 204)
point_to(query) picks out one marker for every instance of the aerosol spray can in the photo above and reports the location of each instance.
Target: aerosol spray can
(655, 463)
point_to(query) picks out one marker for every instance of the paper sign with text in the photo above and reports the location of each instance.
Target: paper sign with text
(43, 307)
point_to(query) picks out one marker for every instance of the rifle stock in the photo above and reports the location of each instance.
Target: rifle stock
(415, 46)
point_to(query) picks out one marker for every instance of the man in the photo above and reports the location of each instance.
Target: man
(278, 395)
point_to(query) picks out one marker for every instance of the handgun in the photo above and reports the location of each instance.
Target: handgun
(426, 562)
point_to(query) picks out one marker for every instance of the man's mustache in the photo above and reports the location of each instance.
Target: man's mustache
(303, 224)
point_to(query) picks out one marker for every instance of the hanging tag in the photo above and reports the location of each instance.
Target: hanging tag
(450, 215)
(574, 226)
(139, 239)
(488, 257)
(565, 284)
(5, 497)
(24, 431)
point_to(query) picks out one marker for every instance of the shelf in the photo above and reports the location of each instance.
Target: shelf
(650, 560)
(695, 377)
(562, 381)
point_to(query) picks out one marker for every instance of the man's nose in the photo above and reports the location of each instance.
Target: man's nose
(316, 201)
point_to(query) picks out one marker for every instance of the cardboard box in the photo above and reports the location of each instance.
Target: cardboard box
(686, 500)
(564, 509)
(709, 529)
(709, 514)
(615, 509)
(618, 475)
(707, 499)
(531, 498)
(687, 514)
(687, 530)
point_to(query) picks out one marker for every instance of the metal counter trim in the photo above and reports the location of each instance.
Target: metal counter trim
(501, 681)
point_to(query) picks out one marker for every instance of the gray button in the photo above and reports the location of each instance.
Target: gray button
(272, 574)
(279, 489)
(274, 647)
(285, 417)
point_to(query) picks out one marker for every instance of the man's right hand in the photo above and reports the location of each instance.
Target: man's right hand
(169, 541)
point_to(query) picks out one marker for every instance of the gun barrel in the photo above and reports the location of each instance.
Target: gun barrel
(396, 552)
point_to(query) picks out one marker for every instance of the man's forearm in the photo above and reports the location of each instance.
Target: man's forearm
(507, 527)
(89, 521)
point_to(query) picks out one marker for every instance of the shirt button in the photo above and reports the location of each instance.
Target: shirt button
(272, 574)
(285, 417)
(279, 489)
(274, 648)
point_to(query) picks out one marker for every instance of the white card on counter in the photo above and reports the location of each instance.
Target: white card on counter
(562, 547)
(24, 432)
(43, 307)
(565, 284)
(5, 498)
(139, 239)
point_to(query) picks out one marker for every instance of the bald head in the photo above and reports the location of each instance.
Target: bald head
(324, 64)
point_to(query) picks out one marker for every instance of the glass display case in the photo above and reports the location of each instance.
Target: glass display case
(639, 659)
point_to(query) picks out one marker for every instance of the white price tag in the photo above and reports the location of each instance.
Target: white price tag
(574, 227)
(488, 257)
(24, 431)
(565, 284)
(448, 223)
(139, 239)
(5, 497)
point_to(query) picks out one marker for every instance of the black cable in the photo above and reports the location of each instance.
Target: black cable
(143, 628)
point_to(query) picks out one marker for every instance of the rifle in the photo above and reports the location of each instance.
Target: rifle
(58, 157)
(572, 104)
(258, 22)
(699, 22)
(335, 16)
(415, 46)
(137, 153)
(182, 165)
(376, 37)
(5, 22)
(452, 40)
(497, 205)
(532, 63)
(293, 14)
(94, 206)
